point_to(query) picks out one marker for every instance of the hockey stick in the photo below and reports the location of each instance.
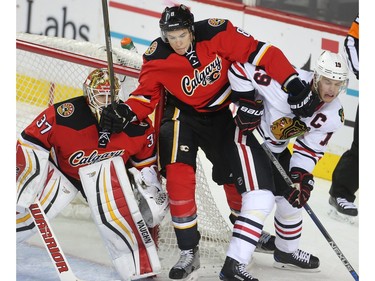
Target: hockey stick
(307, 207)
(51, 244)
(108, 45)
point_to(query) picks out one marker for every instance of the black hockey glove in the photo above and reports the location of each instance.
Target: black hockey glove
(304, 103)
(249, 115)
(299, 194)
(115, 121)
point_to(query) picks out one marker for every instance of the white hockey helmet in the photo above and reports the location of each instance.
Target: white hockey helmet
(333, 66)
(97, 90)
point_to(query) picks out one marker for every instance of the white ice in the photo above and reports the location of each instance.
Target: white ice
(80, 239)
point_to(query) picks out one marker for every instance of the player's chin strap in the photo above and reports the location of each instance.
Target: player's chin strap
(307, 207)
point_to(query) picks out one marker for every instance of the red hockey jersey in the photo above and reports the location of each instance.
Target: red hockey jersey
(199, 78)
(70, 132)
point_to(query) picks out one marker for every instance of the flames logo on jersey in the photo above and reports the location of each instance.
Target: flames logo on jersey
(207, 76)
(65, 110)
(215, 22)
(151, 49)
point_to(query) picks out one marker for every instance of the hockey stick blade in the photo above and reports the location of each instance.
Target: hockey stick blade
(308, 209)
(51, 244)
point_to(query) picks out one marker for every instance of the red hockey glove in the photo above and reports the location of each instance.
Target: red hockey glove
(116, 120)
(249, 115)
(303, 185)
(304, 102)
(292, 195)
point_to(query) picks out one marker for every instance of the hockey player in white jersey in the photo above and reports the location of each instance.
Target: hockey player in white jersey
(260, 102)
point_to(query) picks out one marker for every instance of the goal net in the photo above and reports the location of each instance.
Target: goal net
(51, 69)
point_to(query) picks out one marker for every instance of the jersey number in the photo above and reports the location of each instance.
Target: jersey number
(43, 125)
(261, 78)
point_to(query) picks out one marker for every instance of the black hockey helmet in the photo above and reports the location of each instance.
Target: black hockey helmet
(174, 18)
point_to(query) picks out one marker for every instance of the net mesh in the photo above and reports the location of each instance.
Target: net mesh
(43, 80)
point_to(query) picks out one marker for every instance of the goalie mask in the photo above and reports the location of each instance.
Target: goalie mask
(331, 76)
(97, 90)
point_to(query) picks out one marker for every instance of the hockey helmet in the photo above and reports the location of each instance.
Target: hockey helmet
(97, 90)
(333, 66)
(174, 18)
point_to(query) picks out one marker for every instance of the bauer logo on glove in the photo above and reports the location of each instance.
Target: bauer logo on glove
(286, 128)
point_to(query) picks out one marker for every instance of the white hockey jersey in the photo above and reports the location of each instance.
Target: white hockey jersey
(308, 148)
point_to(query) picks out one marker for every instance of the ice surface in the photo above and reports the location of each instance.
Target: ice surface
(89, 260)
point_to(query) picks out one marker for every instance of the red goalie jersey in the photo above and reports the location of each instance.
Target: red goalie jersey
(70, 132)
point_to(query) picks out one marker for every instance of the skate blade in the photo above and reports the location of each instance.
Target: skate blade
(334, 214)
(194, 276)
(263, 251)
(286, 266)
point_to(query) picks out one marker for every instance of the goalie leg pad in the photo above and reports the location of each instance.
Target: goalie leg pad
(31, 167)
(120, 223)
(54, 196)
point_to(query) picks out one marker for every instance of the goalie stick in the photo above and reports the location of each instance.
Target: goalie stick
(51, 244)
(308, 209)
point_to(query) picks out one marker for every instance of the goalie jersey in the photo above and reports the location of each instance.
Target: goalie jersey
(71, 133)
(312, 133)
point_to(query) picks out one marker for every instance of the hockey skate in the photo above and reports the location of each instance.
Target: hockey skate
(266, 243)
(235, 271)
(187, 266)
(342, 210)
(298, 261)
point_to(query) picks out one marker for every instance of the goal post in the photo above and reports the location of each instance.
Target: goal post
(51, 69)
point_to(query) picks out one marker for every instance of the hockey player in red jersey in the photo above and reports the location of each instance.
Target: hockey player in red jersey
(190, 62)
(69, 134)
(259, 182)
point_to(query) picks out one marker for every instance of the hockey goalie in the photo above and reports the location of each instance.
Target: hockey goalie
(64, 151)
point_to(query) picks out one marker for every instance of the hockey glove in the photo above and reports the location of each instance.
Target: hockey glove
(249, 115)
(303, 185)
(305, 102)
(115, 121)
(153, 200)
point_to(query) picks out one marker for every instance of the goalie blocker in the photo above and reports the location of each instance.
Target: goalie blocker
(115, 211)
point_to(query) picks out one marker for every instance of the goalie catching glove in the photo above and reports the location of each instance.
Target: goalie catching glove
(115, 120)
(153, 200)
(303, 182)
